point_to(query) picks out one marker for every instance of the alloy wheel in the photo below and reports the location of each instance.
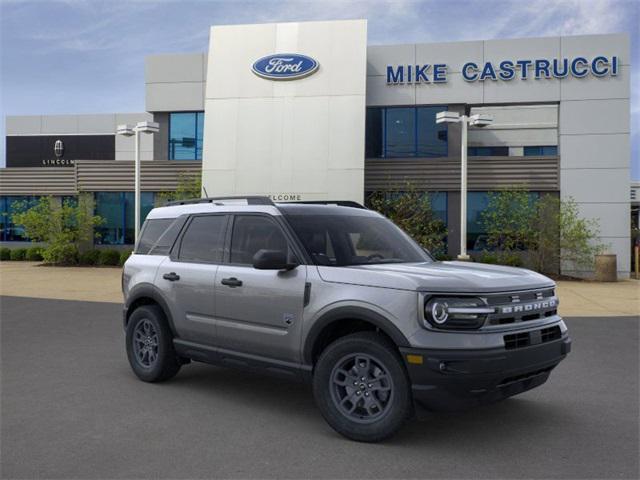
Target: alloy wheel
(361, 388)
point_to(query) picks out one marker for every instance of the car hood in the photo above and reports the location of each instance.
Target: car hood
(437, 277)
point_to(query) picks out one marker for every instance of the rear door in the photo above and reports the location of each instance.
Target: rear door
(187, 277)
(259, 311)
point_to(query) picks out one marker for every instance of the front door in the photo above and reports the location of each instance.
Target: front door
(188, 278)
(259, 311)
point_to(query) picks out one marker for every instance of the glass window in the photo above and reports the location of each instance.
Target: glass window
(405, 132)
(9, 231)
(147, 202)
(400, 128)
(163, 245)
(373, 133)
(185, 135)
(346, 240)
(439, 205)
(477, 202)
(151, 232)
(252, 233)
(204, 239)
(117, 211)
(199, 134)
(432, 136)
(488, 151)
(543, 151)
(110, 207)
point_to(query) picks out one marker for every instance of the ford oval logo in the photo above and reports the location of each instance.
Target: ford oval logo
(285, 66)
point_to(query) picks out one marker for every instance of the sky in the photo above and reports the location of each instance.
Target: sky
(87, 56)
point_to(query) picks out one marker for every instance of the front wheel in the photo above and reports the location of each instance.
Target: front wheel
(361, 387)
(150, 345)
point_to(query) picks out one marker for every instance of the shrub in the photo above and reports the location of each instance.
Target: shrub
(508, 219)
(511, 259)
(90, 257)
(488, 257)
(5, 253)
(443, 257)
(60, 254)
(62, 227)
(411, 210)
(109, 257)
(34, 254)
(189, 186)
(18, 254)
(124, 256)
(548, 228)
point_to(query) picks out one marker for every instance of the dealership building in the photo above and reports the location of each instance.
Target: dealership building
(309, 111)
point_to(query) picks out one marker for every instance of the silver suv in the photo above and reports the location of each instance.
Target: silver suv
(334, 294)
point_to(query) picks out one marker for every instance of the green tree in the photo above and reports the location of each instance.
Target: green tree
(508, 219)
(63, 227)
(579, 242)
(411, 210)
(550, 229)
(189, 186)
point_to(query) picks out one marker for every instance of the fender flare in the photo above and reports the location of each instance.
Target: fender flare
(351, 313)
(148, 290)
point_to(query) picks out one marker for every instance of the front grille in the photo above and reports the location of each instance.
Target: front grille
(535, 337)
(525, 306)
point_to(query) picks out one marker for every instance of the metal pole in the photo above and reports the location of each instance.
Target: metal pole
(463, 192)
(137, 186)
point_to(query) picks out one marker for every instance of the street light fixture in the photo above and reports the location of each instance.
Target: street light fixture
(128, 131)
(477, 120)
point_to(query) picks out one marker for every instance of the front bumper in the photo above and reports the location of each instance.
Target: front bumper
(455, 379)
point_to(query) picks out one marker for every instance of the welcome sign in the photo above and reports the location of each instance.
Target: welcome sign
(506, 70)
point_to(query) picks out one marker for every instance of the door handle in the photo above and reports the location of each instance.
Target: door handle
(172, 277)
(231, 282)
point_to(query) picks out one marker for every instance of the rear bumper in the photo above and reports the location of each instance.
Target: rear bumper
(455, 379)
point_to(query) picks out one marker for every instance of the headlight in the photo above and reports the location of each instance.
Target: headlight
(456, 313)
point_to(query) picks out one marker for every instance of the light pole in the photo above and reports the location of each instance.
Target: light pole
(128, 131)
(477, 120)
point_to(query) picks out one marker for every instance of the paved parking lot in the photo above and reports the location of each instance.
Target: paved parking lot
(71, 408)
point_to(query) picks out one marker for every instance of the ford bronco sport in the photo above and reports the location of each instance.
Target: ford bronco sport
(335, 294)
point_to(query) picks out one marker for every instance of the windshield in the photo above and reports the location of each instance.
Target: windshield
(346, 240)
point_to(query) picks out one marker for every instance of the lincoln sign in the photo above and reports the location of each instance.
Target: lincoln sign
(578, 67)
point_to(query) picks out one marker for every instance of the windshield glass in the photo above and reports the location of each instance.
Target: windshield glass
(345, 240)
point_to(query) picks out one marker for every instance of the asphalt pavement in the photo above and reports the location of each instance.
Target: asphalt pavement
(71, 408)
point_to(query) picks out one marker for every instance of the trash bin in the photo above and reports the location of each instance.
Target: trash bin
(606, 268)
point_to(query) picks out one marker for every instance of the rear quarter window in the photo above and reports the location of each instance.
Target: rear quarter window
(153, 231)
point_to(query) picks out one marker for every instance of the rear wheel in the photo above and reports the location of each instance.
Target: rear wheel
(361, 387)
(149, 345)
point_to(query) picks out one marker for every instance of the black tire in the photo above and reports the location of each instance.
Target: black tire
(388, 402)
(155, 360)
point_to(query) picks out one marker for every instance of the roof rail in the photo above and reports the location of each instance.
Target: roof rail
(340, 203)
(251, 200)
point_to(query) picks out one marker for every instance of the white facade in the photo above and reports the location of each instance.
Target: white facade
(287, 139)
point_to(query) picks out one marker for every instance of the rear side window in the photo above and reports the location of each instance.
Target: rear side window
(152, 231)
(203, 240)
(167, 239)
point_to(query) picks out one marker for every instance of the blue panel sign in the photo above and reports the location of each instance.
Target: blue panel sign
(285, 66)
(578, 67)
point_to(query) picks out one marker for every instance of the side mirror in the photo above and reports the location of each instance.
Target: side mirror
(272, 260)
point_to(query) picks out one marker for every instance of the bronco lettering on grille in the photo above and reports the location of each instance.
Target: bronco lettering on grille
(528, 307)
